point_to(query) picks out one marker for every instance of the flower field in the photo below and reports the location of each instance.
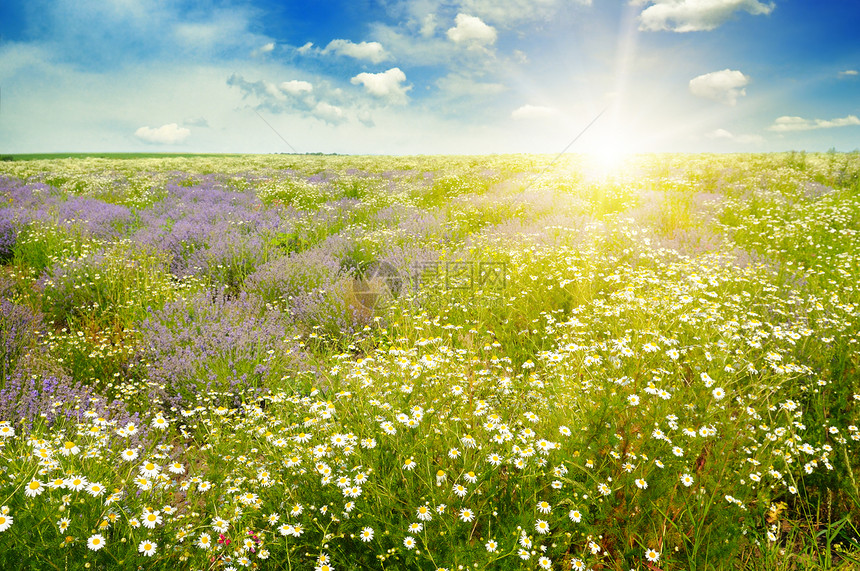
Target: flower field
(337, 363)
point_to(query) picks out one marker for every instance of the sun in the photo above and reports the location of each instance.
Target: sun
(608, 155)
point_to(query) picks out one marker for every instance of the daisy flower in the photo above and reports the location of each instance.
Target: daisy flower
(409, 542)
(96, 542)
(491, 546)
(494, 459)
(151, 519)
(63, 524)
(366, 534)
(466, 515)
(220, 525)
(204, 541)
(460, 490)
(149, 469)
(542, 527)
(177, 468)
(544, 507)
(33, 489)
(147, 547)
(575, 516)
(424, 513)
(6, 520)
(415, 527)
(544, 562)
(95, 489)
(687, 480)
(76, 483)
(641, 484)
(652, 556)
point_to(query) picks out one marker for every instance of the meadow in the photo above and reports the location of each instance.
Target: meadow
(435, 363)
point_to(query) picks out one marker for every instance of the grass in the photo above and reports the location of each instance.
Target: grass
(655, 368)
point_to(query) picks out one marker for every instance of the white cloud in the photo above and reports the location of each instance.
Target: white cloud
(169, 134)
(471, 30)
(305, 48)
(296, 87)
(719, 134)
(696, 15)
(533, 112)
(724, 86)
(848, 72)
(329, 113)
(387, 85)
(460, 85)
(196, 122)
(264, 49)
(371, 51)
(428, 25)
(786, 123)
(746, 139)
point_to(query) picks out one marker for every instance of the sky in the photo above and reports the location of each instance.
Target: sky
(429, 76)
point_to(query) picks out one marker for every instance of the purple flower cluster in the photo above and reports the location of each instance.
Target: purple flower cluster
(213, 342)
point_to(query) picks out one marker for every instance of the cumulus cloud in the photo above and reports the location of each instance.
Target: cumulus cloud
(786, 123)
(305, 48)
(724, 86)
(169, 134)
(528, 112)
(727, 135)
(471, 30)
(696, 15)
(371, 51)
(264, 49)
(329, 113)
(296, 87)
(460, 85)
(291, 96)
(387, 85)
(848, 72)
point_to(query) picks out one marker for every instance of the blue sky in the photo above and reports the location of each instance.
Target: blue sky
(429, 76)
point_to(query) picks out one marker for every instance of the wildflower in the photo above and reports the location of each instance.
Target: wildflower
(470, 477)
(409, 542)
(220, 525)
(149, 469)
(542, 527)
(633, 400)
(523, 554)
(577, 564)
(491, 546)
(177, 468)
(415, 527)
(604, 489)
(544, 562)
(424, 513)
(494, 459)
(687, 480)
(641, 484)
(575, 515)
(96, 542)
(147, 547)
(6, 520)
(678, 451)
(297, 510)
(460, 490)
(159, 422)
(652, 556)
(544, 507)
(76, 483)
(63, 524)
(718, 393)
(34, 488)
(95, 489)
(366, 534)
(409, 464)
(151, 518)
(453, 453)
(204, 541)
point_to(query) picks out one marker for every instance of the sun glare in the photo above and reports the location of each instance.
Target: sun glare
(607, 156)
